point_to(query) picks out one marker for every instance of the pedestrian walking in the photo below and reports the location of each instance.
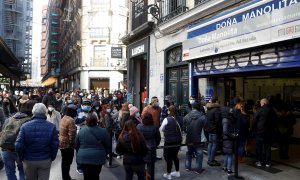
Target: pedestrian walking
(37, 144)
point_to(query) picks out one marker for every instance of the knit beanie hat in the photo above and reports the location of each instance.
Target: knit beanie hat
(133, 110)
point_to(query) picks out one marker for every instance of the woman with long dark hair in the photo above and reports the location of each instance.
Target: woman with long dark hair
(132, 145)
(9, 107)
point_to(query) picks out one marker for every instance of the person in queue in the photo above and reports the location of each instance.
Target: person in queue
(173, 137)
(37, 144)
(67, 134)
(8, 139)
(132, 145)
(92, 145)
(152, 136)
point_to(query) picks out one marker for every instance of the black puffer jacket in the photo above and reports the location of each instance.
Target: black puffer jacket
(193, 124)
(131, 158)
(152, 136)
(214, 118)
(264, 122)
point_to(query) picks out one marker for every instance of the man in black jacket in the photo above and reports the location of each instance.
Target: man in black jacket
(193, 124)
(49, 98)
(263, 127)
(214, 119)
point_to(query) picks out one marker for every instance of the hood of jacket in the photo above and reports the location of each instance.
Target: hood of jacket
(194, 115)
(212, 105)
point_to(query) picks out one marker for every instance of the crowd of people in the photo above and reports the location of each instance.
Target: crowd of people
(96, 125)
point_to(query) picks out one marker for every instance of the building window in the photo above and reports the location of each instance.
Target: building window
(99, 32)
(139, 14)
(100, 56)
(197, 2)
(171, 8)
(174, 55)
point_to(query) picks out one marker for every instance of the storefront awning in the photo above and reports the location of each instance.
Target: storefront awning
(50, 81)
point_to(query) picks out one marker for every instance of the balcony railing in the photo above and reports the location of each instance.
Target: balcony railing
(99, 32)
(172, 8)
(100, 62)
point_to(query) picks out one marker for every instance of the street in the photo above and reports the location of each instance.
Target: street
(277, 172)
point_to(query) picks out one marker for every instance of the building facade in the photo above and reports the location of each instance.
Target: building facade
(218, 48)
(16, 30)
(93, 56)
(50, 54)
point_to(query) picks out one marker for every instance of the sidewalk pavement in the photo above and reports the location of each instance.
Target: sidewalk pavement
(246, 170)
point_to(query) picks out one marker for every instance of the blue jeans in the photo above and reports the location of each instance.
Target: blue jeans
(198, 150)
(212, 147)
(10, 160)
(228, 161)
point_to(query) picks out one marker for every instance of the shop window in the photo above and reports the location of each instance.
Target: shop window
(174, 55)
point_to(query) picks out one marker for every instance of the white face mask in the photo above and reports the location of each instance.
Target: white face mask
(192, 101)
(50, 108)
(97, 108)
(137, 114)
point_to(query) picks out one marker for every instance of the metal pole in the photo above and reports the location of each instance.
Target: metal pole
(153, 157)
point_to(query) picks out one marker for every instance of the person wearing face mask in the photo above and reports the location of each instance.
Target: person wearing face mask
(97, 108)
(154, 110)
(82, 113)
(135, 115)
(9, 107)
(53, 116)
(49, 98)
(192, 100)
(168, 101)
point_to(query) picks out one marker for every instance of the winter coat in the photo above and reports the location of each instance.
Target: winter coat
(155, 112)
(54, 118)
(152, 136)
(172, 130)
(193, 124)
(228, 129)
(92, 151)
(264, 121)
(214, 118)
(2, 118)
(131, 158)
(37, 140)
(67, 133)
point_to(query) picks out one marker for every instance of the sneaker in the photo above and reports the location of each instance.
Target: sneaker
(229, 172)
(167, 176)
(199, 171)
(224, 169)
(214, 163)
(268, 165)
(175, 173)
(258, 164)
(188, 169)
(79, 171)
(119, 157)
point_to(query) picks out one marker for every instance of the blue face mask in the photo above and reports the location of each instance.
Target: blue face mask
(86, 108)
(157, 104)
(108, 110)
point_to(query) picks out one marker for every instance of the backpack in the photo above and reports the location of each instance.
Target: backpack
(10, 133)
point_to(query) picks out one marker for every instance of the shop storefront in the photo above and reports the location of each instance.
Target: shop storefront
(252, 51)
(138, 60)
